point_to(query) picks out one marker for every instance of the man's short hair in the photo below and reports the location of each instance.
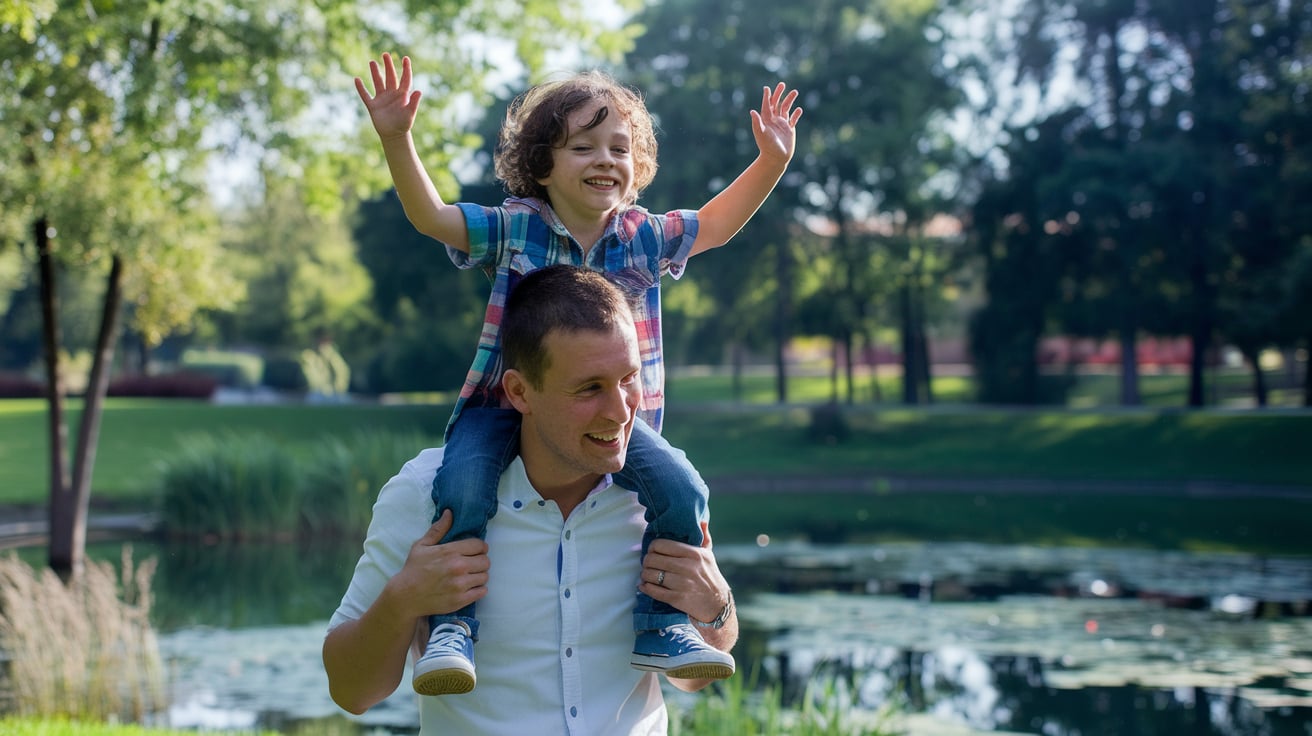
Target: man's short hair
(560, 297)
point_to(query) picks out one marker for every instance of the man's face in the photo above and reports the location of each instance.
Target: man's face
(577, 425)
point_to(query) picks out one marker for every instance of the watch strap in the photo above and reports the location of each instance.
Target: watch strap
(719, 621)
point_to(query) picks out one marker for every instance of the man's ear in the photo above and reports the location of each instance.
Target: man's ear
(516, 388)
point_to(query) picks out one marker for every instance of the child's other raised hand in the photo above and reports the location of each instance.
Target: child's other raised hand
(393, 105)
(775, 126)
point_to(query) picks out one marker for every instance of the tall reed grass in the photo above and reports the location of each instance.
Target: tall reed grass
(738, 707)
(255, 487)
(85, 650)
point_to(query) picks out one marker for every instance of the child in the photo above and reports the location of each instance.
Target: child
(574, 155)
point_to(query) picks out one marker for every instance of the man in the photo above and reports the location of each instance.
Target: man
(558, 572)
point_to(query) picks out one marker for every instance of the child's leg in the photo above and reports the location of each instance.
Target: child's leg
(675, 496)
(675, 499)
(482, 443)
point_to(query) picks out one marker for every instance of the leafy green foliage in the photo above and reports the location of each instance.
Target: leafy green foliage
(1151, 194)
(736, 707)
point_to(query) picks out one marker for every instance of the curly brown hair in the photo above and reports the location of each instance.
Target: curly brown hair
(538, 121)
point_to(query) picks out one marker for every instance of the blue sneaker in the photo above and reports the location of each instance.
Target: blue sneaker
(447, 665)
(679, 651)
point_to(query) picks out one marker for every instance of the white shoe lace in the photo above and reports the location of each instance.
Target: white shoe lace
(447, 639)
(684, 635)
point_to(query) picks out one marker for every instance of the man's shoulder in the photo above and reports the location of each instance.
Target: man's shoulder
(416, 473)
(427, 461)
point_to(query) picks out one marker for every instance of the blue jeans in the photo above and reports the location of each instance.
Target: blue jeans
(484, 441)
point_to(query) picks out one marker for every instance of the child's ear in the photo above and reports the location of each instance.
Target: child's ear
(516, 388)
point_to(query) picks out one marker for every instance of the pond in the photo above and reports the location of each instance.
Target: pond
(984, 638)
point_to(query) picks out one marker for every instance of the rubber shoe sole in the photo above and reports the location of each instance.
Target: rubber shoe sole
(697, 671)
(444, 682)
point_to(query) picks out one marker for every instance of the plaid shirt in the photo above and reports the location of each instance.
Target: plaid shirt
(523, 235)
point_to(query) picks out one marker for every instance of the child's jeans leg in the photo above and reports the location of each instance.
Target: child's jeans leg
(675, 496)
(481, 444)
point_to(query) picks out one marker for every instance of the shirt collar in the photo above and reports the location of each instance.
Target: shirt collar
(522, 493)
(549, 216)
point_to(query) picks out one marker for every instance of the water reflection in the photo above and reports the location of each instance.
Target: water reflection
(248, 585)
(1050, 641)
(1029, 640)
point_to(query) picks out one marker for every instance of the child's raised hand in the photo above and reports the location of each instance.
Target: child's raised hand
(393, 105)
(774, 127)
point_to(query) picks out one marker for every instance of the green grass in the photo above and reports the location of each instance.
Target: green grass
(138, 434)
(760, 440)
(46, 727)
(959, 441)
(972, 442)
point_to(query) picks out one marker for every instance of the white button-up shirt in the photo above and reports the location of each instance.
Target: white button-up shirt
(556, 626)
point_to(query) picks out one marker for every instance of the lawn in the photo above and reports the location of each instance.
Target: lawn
(950, 442)
(1165, 452)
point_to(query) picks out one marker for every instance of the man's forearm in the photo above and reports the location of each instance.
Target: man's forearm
(365, 658)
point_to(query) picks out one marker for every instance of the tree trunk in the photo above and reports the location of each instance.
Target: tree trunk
(1307, 374)
(1260, 394)
(873, 350)
(833, 370)
(72, 541)
(1196, 366)
(783, 310)
(736, 376)
(61, 504)
(1129, 368)
(847, 363)
(926, 376)
(910, 372)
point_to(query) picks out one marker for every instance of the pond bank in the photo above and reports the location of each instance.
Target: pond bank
(27, 525)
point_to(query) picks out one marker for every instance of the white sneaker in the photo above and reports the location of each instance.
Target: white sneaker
(447, 665)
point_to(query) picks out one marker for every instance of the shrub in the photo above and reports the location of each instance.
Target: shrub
(828, 426)
(181, 385)
(18, 386)
(284, 374)
(735, 707)
(234, 487)
(230, 487)
(82, 650)
(343, 478)
(230, 369)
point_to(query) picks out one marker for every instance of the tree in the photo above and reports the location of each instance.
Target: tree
(114, 109)
(871, 85)
(304, 281)
(1178, 147)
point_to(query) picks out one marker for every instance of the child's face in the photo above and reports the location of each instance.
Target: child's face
(592, 171)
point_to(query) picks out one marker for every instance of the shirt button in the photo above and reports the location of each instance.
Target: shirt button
(542, 503)
(573, 711)
(569, 651)
(519, 504)
(568, 533)
(567, 592)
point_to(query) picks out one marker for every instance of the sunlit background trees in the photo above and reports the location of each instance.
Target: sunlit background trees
(1019, 188)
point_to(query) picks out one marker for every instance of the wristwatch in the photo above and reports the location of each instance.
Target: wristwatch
(719, 621)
